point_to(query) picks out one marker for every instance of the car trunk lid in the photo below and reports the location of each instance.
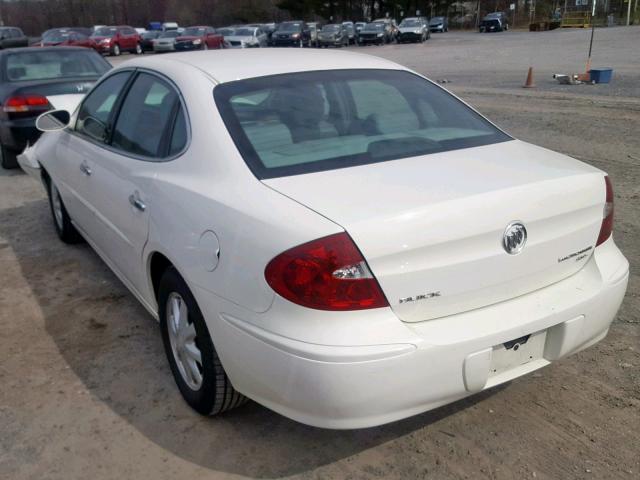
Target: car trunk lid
(432, 227)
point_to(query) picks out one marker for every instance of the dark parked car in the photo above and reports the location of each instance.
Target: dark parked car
(117, 39)
(147, 38)
(351, 32)
(269, 28)
(291, 34)
(67, 38)
(27, 77)
(333, 35)
(494, 22)
(374, 33)
(439, 24)
(12, 37)
(414, 29)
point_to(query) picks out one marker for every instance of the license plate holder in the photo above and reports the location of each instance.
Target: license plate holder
(518, 352)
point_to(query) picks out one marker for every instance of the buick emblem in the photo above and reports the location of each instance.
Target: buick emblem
(514, 238)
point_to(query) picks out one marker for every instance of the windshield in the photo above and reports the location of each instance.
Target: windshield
(225, 32)
(28, 66)
(313, 121)
(56, 37)
(105, 32)
(411, 22)
(289, 27)
(170, 34)
(331, 28)
(148, 35)
(193, 32)
(245, 32)
(376, 27)
(493, 15)
(436, 20)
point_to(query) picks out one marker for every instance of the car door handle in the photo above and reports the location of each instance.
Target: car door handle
(134, 199)
(84, 167)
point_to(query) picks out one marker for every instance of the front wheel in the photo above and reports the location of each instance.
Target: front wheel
(138, 49)
(61, 220)
(115, 51)
(192, 357)
(205, 46)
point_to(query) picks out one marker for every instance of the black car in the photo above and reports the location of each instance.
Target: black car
(12, 37)
(494, 22)
(147, 38)
(374, 33)
(333, 35)
(291, 34)
(27, 77)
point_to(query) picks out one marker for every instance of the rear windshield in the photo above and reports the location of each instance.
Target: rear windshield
(374, 27)
(314, 121)
(193, 32)
(48, 65)
(105, 32)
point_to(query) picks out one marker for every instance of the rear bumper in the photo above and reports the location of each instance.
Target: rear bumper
(16, 134)
(345, 384)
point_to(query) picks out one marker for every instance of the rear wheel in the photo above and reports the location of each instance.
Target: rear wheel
(8, 159)
(61, 220)
(192, 357)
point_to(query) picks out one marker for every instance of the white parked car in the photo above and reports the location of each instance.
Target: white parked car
(331, 234)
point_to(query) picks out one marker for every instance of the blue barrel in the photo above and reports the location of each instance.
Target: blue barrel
(601, 75)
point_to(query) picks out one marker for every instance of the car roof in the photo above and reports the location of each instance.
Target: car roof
(229, 65)
(42, 49)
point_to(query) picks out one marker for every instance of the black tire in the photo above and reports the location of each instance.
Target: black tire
(8, 158)
(216, 394)
(64, 228)
(138, 50)
(115, 50)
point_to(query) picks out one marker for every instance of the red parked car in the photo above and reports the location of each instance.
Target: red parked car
(67, 38)
(117, 39)
(199, 38)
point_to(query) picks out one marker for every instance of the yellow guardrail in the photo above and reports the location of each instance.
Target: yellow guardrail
(576, 20)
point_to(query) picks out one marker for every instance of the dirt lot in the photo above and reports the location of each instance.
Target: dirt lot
(85, 391)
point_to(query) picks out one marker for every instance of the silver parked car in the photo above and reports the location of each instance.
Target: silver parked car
(247, 37)
(166, 42)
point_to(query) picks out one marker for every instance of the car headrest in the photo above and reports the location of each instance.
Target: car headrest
(16, 73)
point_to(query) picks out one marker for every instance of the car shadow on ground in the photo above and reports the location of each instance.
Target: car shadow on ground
(113, 345)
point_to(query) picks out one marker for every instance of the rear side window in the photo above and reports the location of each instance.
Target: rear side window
(146, 118)
(95, 113)
(38, 65)
(313, 121)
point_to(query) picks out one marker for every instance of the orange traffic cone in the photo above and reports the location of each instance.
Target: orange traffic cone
(529, 83)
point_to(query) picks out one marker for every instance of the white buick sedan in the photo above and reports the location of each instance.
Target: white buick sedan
(330, 234)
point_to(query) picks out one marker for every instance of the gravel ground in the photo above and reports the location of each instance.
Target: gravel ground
(86, 392)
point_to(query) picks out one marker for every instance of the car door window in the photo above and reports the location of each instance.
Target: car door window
(179, 135)
(146, 115)
(95, 113)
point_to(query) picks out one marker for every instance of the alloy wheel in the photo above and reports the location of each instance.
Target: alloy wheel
(182, 336)
(56, 203)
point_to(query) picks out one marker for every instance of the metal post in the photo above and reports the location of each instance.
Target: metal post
(628, 12)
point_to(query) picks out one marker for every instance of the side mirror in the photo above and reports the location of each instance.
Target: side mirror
(53, 120)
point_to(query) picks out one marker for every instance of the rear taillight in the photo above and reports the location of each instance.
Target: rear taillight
(26, 103)
(326, 274)
(607, 215)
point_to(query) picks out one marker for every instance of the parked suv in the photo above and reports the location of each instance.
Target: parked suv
(117, 39)
(439, 24)
(414, 29)
(11, 37)
(291, 34)
(199, 38)
(374, 33)
(494, 22)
